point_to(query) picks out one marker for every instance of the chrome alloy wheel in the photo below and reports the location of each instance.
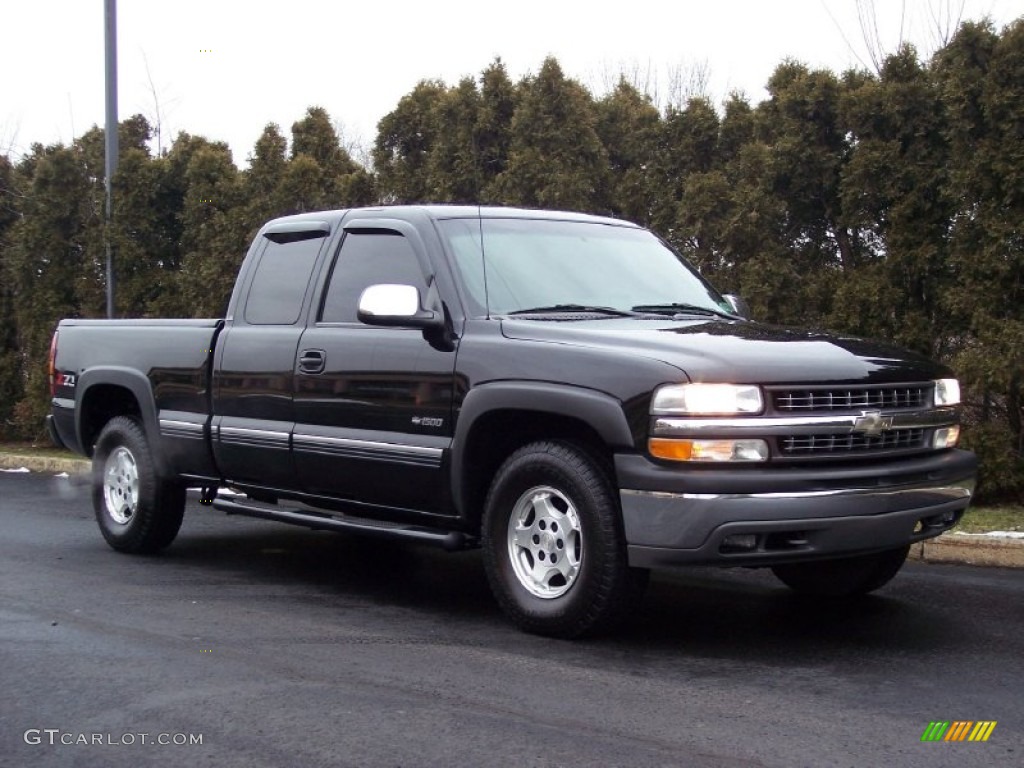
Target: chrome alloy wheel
(121, 485)
(545, 543)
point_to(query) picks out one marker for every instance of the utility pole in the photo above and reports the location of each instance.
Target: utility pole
(110, 164)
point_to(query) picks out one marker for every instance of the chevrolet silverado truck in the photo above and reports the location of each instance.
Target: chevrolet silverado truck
(562, 390)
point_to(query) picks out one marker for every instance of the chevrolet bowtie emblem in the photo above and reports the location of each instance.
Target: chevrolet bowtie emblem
(872, 423)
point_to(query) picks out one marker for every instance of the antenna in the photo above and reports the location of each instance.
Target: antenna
(483, 259)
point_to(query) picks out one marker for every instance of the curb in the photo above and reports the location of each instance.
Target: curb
(965, 549)
(971, 549)
(44, 463)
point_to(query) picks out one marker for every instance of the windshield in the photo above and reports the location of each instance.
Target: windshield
(533, 263)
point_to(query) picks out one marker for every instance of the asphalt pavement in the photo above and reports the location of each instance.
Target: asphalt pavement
(277, 646)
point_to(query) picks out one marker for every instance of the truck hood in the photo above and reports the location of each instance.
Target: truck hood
(735, 351)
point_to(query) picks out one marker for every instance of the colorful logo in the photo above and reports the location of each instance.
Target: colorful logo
(958, 730)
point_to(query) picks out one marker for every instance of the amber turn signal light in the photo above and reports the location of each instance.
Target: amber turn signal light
(708, 450)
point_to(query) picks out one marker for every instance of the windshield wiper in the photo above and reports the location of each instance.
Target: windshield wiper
(557, 308)
(681, 309)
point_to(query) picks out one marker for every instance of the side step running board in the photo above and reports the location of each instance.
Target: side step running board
(450, 540)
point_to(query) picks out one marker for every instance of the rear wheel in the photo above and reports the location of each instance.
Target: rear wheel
(553, 545)
(137, 511)
(847, 576)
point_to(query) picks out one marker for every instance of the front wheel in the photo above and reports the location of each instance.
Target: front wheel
(553, 545)
(844, 577)
(137, 511)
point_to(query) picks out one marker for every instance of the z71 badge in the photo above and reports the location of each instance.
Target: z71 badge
(68, 379)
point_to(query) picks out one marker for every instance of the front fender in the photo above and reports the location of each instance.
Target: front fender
(603, 413)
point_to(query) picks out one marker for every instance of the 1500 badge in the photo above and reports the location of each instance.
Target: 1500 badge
(427, 421)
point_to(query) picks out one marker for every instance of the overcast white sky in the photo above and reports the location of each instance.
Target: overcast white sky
(269, 61)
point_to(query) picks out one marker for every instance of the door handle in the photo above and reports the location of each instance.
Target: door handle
(312, 361)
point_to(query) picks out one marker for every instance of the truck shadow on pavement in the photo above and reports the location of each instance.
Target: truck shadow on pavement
(736, 614)
(747, 614)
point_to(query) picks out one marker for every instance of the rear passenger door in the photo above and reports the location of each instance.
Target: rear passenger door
(373, 423)
(253, 369)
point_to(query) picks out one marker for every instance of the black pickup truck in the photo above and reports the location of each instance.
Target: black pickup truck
(562, 390)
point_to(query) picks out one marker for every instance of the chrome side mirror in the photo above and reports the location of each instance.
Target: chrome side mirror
(390, 304)
(739, 306)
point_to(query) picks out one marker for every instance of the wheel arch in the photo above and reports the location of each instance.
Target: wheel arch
(496, 419)
(104, 393)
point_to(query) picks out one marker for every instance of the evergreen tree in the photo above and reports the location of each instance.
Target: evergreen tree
(340, 181)
(11, 390)
(556, 159)
(405, 138)
(894, 186)
(980, 77)
(687, 145)
(801, 123)
(268, 163)
(214, 225)
(52, 263)
(454, 165)
(629, 126)
(493, 132)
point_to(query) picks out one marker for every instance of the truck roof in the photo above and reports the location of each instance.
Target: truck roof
(452, 211)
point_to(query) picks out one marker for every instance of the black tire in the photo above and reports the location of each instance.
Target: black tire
(139, 517)
(600, 588)
(844, 577)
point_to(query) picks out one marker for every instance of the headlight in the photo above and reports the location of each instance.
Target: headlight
(708, 399)
(947, 392)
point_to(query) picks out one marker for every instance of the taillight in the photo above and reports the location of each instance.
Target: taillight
(52, 368)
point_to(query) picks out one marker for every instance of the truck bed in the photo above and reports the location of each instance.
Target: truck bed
(163, 362)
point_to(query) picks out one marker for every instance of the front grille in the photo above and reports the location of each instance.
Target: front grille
(844, 444)
(825, 400)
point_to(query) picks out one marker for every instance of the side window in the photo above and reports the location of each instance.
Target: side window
(365, 260)
(275, 297)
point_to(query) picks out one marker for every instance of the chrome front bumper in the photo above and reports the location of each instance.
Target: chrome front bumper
(816, 517)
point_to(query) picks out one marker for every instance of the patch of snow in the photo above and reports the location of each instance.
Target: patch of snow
(995, 534)
(63, 474)
(19, 469)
